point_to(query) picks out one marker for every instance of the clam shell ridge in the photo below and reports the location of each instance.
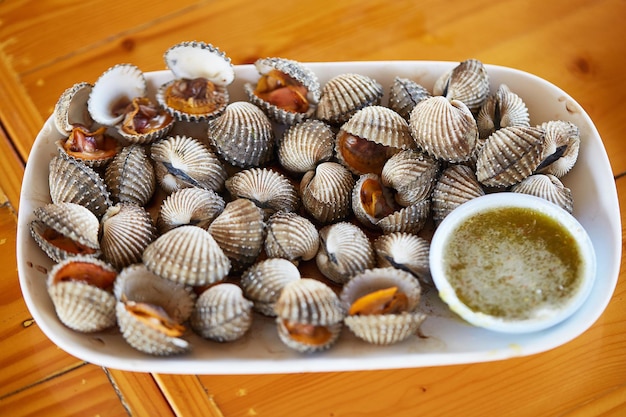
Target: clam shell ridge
(189, 206)
(306, 144)
(405, 251)
(468, 82)
(71, 108)
(404, 94)
(548, 187)
(326, 192)
(130, 176)
(456, 185)
(263, 282)
(291, 236)
(345, 94)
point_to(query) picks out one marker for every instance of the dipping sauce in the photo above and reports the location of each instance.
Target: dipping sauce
(512, 262)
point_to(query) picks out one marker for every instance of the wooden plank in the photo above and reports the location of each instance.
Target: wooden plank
(11, 171)
(187, 396)
(140, 393)
(610, 404)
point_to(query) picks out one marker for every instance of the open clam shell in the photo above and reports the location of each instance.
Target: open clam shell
(456, 185)
(189, 206)
(372, 200)
(144, 121)
(71, 108)
(92, 146)
(345, 94)
(549, 187)
(405, 251)
(291, 236)
(561, 146)
(326, 192)
(263, 282)
(306, 144)
(130, 176)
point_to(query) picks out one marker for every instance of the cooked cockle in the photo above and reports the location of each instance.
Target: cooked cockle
(287, 91)
(344, 251)
(81, 291)
(71, 181)
(202, 74)
(410, 219)
(242, 135)
(183, 161)
(222, 313)
(189, 206)
(187, 255)
(560, 149)
(456, 185)
(468, 82)
(151, 310)
(345, 94)
(382, 305)
(445, 129)
(371, 136)
(71, 108)
(411, 174)
(126, 230)
(291, 236)
(130, 176)
(326, 192)
(268, 189)
(404, 94)
(263, 282)
(239, 230)
(406, 251)
(305, 145)
(308, 315)
(548, 187)
(502, 109)
(93, 147)
(63, 230)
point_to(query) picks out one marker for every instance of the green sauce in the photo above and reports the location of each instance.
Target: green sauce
(512, 262)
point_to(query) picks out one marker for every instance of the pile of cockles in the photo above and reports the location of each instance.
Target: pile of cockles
(163, 233)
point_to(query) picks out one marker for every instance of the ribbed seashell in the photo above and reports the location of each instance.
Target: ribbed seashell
(304, 303)
(71, 181)
(187, 255)
(445, 129)
(502, 109)
(92, 146)
(239, 230)
(345, 94)
(456, 185)
(81, 290)
(205, 66)
(509, 155)
(372, 201)
(150, 311)
(300, 84)
(183, 161)
(467, 82)
(405, 251)
(410, 219)
(144, 121)
(222, 313)
(384, 317)
(126, 230)
(71, 108)
(263, 282)
(130, 176)
(268, 189)
(242, 135)
(326, 192)
(306, 144)
(113, 91)
(344, 251)
(291, 236)
(404, 94)
(63, 230)
(371, 136)
(548, 187)
(561, 145)
(412, 174)
(189, 206)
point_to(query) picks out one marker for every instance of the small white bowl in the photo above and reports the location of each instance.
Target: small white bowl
(504, 288)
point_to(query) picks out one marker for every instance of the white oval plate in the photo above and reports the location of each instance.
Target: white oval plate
(446, 339)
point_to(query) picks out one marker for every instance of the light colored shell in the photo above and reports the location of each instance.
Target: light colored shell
(412, 174)
(502, 109)
(71, 181)
(222, 313)
(189, 206)
(306, 144)
(187, 255)
(263, 282)
(68, 220)
(445, 129)
(268, 189)
(561, 145)
(86, 304)
(410, 219)
(239, 230)
(130, 176)
(404, 94)
(113, 90)
(71, 108)
(388, 328)
(372, 201)
(405, 251)
(344, 251)
(291, 236)
(549, 187)
(326, 192)
(456, 185)
(126, 230)
(183, 161)
(467, 82)
(297, 72)
(345, 94)
(242, 135)
(509, 155)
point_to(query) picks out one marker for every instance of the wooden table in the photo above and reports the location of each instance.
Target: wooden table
(46, 46)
